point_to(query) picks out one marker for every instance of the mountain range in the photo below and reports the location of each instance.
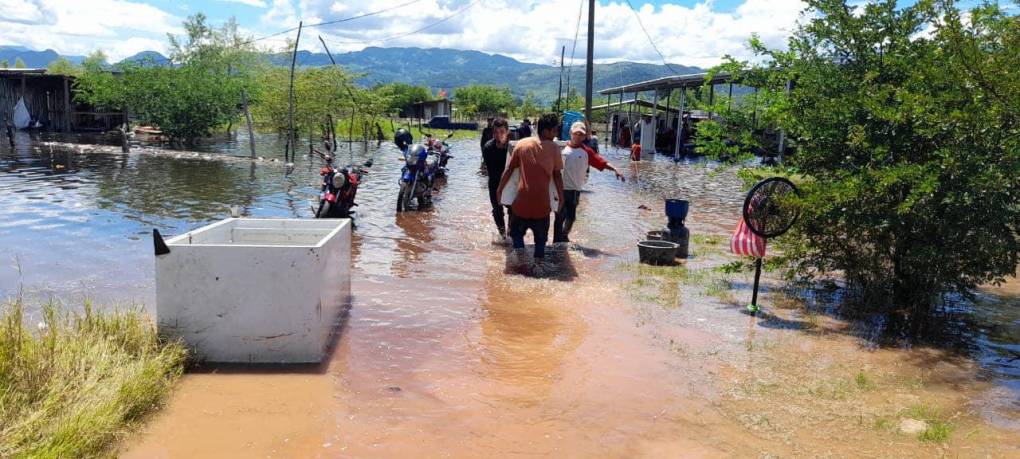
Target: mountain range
(436, 68)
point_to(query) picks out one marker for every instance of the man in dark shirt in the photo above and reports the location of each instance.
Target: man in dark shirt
(524, 131)
(494, 157)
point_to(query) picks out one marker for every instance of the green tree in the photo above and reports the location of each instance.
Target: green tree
(18, 63)
(63, 67)
(905, 122)
(4, 64)
(187, 101)
(483, 99)
(529, 105)
(399, 96)
(319, 92)
(96, 60)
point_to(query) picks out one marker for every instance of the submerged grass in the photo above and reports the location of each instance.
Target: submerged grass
(70, 386)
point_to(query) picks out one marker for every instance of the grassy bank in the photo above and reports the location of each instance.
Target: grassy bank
(388, 128)
(75, 382)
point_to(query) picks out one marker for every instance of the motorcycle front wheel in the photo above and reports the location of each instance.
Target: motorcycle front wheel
(404, 197)
(323, 212)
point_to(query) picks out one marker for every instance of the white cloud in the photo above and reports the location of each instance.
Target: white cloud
(534, 31)
(528, 30)
(255, 3)
(71, 27)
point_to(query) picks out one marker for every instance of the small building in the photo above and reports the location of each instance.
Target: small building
(50, 101)
(428, 109)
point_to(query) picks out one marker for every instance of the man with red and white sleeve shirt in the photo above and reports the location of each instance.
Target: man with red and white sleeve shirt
(577, 158)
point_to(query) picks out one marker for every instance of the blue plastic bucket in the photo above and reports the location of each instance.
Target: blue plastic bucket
(569, 117)
(677, 208)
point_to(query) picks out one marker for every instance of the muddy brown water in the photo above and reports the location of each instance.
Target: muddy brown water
(443, 354)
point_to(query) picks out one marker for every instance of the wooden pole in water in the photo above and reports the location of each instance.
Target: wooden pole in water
(125, 146)
(590, 67)
(10, 132)
(67, 106)
(559, 92)
(293, 62)
(247, 117)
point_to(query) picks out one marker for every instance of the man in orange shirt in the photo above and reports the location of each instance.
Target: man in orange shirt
(539, 161)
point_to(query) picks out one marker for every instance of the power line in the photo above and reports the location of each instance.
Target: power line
(401, 35)
(336, 21)
(649, 37)
(577, 28)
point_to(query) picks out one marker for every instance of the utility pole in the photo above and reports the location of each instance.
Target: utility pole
(559, 92)
(591, 54)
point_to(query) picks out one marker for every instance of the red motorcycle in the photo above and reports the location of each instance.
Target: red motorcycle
(339, 188)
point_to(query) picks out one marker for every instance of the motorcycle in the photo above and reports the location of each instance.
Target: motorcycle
(339, 188)
(442, 150)
(417, 177)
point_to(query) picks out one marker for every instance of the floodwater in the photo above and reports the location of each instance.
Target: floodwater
(444, 354)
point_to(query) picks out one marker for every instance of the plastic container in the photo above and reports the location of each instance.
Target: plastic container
(658, 253)
(677, 208)
(569, 117)
(256, 290)
(656, 235)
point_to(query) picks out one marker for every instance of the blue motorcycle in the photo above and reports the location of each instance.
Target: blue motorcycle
(417, 177)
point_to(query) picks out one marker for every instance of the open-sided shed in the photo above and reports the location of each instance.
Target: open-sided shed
(49, 99)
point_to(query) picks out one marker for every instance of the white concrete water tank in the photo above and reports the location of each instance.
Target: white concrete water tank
(256, 290)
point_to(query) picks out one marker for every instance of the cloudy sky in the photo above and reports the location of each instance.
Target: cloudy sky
(690, 32)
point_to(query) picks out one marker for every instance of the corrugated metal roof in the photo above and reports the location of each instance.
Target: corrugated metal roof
(692, 80)
(10, 71)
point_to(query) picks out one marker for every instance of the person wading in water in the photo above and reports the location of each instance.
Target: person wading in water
(494, 157)
(539, 162)
(577, 158)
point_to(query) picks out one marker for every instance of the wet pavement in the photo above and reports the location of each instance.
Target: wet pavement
(443, 354)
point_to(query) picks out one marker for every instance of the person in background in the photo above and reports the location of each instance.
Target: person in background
(524, 130)
(577, 158)
(486, 133)
(539, 161)
(590, 140)
(624, 138)
(494, 157)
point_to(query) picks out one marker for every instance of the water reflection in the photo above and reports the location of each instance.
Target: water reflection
(77, 217)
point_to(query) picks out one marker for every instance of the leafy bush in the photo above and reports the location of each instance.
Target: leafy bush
(907, 125)
(483, 99)
(202, 91)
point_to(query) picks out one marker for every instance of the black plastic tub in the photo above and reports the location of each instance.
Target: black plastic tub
(658, 253)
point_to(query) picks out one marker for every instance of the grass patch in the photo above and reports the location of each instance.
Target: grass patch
(864, 383)
(939, 428)
(884, 424)
(707, 239)
(937, 432)
(70, 386)
(720, 288)
(343, 131)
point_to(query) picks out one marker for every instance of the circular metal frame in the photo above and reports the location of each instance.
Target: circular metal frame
(761, 198)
